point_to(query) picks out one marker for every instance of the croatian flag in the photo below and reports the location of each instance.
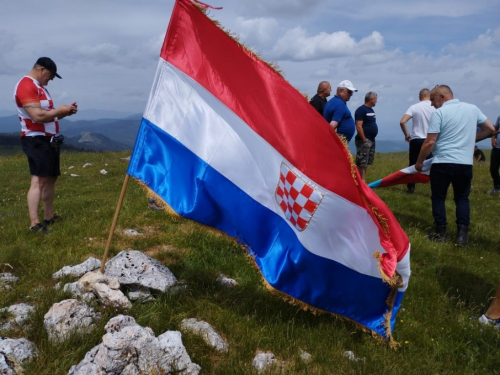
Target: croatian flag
(227, 142)
(407, 175)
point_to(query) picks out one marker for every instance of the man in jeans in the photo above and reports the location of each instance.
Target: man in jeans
(451, 137)
(495, 160)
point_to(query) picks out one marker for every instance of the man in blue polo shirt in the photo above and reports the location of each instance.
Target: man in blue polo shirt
(451, 137)
(337, 113)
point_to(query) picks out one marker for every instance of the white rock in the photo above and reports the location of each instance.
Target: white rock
(129, 349)
(226, 281)
(141, 294)
(79, 270)
(131, 232)
(20, 312)
(13, 352)
(71, 167)
(6, 279)
(305, 356)
(205, 331)
(87, 165)
(88, 281)
(103, 171)
(350, 355)
(68, 316)
(131, 267)
(74, 175)
(111, 297)
(263, 360)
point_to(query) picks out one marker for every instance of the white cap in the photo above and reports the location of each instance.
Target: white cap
(348, 85)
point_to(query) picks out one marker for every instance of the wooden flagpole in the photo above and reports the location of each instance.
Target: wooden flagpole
(115, 219)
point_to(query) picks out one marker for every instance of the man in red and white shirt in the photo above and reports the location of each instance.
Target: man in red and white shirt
(39, 123)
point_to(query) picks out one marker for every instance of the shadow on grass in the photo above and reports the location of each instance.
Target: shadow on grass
(465, 287)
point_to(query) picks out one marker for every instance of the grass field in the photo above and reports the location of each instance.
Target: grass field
(437, 326)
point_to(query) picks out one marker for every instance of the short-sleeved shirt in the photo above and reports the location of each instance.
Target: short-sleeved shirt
(367, 115)
(456, 124)
(336, 110)
(318, 102)
(420, 117)
(28, 90)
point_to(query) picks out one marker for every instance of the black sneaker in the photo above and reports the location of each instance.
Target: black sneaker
(55, 218)
(39, 228)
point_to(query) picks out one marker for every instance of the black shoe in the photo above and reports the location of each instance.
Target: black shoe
(53, 220)
(410, 191)
(462, 235)
(439, 234)
(39, 228)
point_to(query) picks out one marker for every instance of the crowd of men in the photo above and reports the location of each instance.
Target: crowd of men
(442, 128)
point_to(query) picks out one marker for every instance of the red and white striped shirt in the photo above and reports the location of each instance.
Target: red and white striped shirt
(29, 90)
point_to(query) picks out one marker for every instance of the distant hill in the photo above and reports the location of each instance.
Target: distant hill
(88, 141)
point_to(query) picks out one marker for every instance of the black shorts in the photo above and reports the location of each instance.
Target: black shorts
(43, 159)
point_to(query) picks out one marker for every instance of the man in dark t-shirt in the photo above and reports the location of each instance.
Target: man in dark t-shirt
(366, 126)
(318, 101)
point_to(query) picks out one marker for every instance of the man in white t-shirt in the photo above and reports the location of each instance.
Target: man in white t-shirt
(420, 114)
(454, 128)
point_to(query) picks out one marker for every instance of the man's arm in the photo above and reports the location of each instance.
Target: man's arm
(486, 129)
(37, 114)
(426, 149)
(359, 129)
(402, 123)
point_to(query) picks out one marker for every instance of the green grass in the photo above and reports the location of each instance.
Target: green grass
(448, 286)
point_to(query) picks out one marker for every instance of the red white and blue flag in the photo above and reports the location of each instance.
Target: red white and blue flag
(408, 175)
(227, 142)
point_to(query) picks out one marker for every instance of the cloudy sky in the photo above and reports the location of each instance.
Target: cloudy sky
(107, 50)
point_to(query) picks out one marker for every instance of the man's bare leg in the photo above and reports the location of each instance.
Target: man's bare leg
(362, 172)
(493, 311)
(34, 196)
(48, 192)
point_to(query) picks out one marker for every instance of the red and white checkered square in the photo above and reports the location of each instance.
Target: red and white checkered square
(297, 198)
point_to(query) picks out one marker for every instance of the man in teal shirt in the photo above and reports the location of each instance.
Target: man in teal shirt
(451, 138)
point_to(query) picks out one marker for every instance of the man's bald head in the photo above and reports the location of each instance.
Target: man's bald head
(440, 94)
(424, 94)
(324, 89)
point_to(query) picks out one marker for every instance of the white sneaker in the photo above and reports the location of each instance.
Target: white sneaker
(483, 319)
(493, 191)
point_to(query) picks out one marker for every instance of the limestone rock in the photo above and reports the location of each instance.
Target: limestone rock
(205, 330)
(68, 316)
(88, 281)
(78, 270)
(132, 267)
(141, 294)
(111, 296)
(6, 280)
(129, 349)
(13, 353)
(263, 360)
(131, 232)
(20, 314)
(226, 281)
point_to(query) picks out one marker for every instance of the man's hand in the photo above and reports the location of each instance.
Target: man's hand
(418, 166)
(407, 138)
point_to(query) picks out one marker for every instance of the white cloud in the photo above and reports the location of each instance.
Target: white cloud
(257, 31)
(297, 45)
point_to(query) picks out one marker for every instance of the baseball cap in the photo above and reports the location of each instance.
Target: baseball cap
(48, 64)
(348, 85)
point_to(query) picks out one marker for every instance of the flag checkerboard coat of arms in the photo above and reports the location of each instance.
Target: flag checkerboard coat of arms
(297, 198)
(218, 148)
